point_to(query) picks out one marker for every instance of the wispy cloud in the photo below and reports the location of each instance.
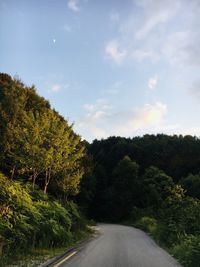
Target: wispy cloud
(152, 83)
(73, 5)
(100, 104)
(89, 124)
(55, 88)
(183, 47)
(89, 107)
(150, 34)
(154, 14)
(114, 51)
(147, 118)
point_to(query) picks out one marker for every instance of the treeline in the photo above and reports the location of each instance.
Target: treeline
(39, 154)
(152, 182)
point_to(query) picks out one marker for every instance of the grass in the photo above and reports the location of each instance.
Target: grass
(37, 256)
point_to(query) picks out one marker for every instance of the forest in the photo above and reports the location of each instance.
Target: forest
(52, 182)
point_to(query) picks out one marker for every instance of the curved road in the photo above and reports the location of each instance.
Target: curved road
(120, 246)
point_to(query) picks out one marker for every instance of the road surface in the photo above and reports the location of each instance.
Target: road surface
(119, 246)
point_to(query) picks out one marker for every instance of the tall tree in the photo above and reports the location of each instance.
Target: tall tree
(125, 187)
(157, 187)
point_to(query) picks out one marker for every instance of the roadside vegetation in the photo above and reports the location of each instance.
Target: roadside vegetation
(150, 182)
(41, 165)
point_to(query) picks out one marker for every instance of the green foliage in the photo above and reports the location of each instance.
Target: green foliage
(135, 214)
(180, 217)
(148, 224)
(15, 100)
(156, 187)
(188, 251)
(30, 218)
(191, 184)
(37, 145)
(18, 214)
(87, 185)
(36, 142)
(125, 187)
(77, 219)
(54, 226)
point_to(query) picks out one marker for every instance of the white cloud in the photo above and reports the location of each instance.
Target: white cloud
(167, 30)
(73, 5)
(152, 83)
(183, 47)
(55, 88)
(154, 14)
(114, 51)
(144, 54)
(100, 104)
(104, 123)
(88, 124)
(89, 107)
(143, 119)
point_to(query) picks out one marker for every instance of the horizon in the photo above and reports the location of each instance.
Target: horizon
(111, 68)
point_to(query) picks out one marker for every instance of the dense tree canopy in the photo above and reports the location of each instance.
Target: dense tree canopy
(36, 142)
(161, 160)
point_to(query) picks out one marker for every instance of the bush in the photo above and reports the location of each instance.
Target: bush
(78, 227)
(180, 217)
(188, 252)
(30, 218)
(147, 224)
(54, 225)
(136, 214)
(17, 214)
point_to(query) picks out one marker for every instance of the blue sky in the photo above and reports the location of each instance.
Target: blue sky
(110, 67)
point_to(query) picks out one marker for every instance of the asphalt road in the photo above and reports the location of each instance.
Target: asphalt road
(120, 246)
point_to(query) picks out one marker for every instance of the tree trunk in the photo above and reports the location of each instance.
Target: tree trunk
(47, 180)
(13, 172)
(45, 188)
(34, 179)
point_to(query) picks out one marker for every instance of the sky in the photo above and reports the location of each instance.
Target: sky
(110, 67)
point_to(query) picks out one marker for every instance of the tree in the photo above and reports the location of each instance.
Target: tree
(180, 216)
(61, 153)
(35, 140)
(125, 187)
(87, 185)
(15, 100)
(28, 151)
(156, 187)
(191, 184)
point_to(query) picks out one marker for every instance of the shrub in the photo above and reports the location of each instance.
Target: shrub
(77, 219)
(148, 224)
(30, 218)
(188, 252)
(54, 225)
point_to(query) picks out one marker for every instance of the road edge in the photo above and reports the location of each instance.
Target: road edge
(53, 261)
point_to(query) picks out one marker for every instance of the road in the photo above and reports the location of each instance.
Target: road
(120, 246)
